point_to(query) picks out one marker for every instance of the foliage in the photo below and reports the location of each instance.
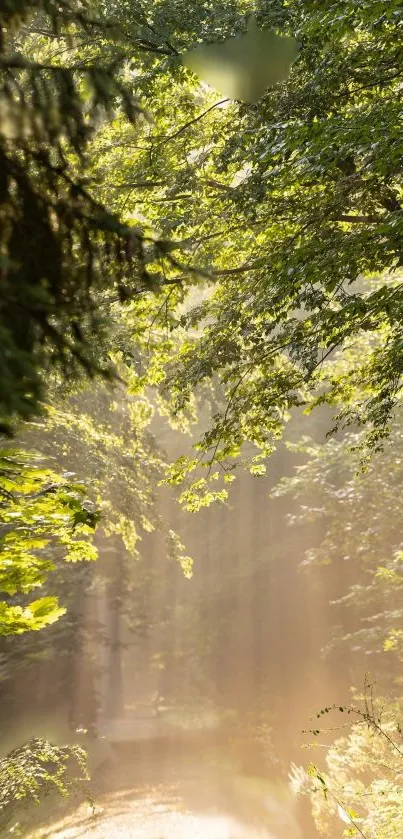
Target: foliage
(107, 437)
(281, 208)
(60, 248)
(104, 437)
(319, 207)
(360, 782)
(285, 205)
(31, 771)
(41, 511)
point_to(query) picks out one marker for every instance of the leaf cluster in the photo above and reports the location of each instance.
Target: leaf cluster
(358, 783)
(30, 772)
(40, 511)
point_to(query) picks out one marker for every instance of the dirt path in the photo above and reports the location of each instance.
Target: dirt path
(153, 817)
(187, 802)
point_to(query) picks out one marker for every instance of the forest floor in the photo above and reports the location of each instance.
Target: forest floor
(157, 815)
(175, 799)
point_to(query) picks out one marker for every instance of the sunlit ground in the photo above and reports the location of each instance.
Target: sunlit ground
(188, 802)
(148, 819)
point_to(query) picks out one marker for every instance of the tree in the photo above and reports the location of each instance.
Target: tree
(286, 204)
(104, 435)
(319, 206)
(61, 250)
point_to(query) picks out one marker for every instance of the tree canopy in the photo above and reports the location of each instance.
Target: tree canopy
(301, 196)
(285, 203)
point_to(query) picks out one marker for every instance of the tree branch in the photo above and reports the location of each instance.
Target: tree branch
(358, 219)
(191, 122)
(140, 185)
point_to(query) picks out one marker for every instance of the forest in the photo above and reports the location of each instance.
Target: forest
(201, 387)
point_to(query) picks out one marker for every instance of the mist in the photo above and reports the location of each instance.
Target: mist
(204, 686)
